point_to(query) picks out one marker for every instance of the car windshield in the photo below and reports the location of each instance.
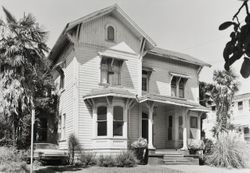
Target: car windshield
(45, 146)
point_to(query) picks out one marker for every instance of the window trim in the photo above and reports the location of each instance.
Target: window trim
(123, 117)
(106, 33)
(121, 61)
(177, 84)
(96, 124)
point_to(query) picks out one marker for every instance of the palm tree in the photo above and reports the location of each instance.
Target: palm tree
(24, 69)
(222, 93)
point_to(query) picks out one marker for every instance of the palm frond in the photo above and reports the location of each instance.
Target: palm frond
(9, 17)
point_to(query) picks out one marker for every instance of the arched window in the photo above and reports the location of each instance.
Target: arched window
(118, 121)
(110, 33)
(102, 121)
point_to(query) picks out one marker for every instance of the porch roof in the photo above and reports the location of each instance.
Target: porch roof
(173, 101)
(104, 92)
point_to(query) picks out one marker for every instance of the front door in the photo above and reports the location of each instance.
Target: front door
(145, 125)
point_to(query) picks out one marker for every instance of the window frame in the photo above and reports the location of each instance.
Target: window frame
(191, 122)
(145, 76)
(107, 33)
(177, 87)
(240, 107)
(118, 121)
(100, 121)
(108, 68)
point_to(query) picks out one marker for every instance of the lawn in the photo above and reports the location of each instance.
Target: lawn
(95, 169)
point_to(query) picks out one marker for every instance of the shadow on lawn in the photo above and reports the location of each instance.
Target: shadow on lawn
(52, 169)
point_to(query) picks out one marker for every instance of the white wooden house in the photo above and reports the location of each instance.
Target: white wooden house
(117, 86)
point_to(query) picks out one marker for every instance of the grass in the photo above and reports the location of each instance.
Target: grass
(96, 169)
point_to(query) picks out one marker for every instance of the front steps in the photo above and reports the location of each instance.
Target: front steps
(172, 157)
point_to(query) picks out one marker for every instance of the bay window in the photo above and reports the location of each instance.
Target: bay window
(118, 121)
(102, 121)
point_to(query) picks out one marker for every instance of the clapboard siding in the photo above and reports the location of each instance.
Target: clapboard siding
(68, 99)
(94, 33)
(133, 124)
(160, 78)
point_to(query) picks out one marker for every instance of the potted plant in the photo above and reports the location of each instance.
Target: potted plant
(140, 148)
(195, 145)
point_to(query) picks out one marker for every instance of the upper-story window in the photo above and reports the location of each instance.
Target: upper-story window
(240, 105)
(110, 33)
(111, 71)
(178, 86)
(145, 80)
(102, 121)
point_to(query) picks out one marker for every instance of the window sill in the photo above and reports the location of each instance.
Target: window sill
(108, 138)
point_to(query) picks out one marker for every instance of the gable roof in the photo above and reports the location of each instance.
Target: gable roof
(116, 11)
(177, 56)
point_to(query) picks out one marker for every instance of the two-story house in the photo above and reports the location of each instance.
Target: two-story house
(240, 116)
(117, 86)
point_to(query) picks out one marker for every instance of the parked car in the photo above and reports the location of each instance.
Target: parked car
(48, 152)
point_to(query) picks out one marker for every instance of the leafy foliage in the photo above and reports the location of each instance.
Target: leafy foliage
(106, 161)
(25, 79)
(87, 159)
(126, 159)
(239, 45)
(73, 146)
(11, 160)
(229, 151)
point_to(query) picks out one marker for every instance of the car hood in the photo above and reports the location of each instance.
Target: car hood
(51, 151)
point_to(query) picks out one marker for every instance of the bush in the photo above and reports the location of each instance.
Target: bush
(140, 149)
(11, 160)
(195, 144)
(229, 151)
(6, 142)
(87, 159)
(126, 159)
(208, 146)
(73, 146)
(106, 161)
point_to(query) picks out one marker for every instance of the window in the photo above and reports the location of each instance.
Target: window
(194, 122)
(110, 33)
(213, 108)
(170, 125)
(102, 121)
(174, 86)
(181, 87)
(63, 126)
(240, 105)
(117, 121)
(178, 86)
(180, 122)
(145, 79)
(43, 129)
(111, 71)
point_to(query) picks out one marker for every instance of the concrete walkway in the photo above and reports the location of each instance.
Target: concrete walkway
(205, 169)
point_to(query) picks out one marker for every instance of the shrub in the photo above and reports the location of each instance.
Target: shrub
(126, 159)
(73, 146)
(195, 144)
(106, 161)
(208, 146)
(6, 142)
(140, 149)
(229, 151)
(11, 160)
(87, 159)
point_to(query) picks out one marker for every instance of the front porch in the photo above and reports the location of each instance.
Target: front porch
(169, 126)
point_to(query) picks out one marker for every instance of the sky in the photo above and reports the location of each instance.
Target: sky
(187, 26)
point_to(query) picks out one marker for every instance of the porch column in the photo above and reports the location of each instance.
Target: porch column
(185, 124)
(199, 125)
(150, 106)
(109, 117)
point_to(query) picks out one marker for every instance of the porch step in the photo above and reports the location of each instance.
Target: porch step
(173, 157)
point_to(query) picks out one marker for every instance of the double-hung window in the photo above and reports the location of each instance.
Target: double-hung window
(102, 121)
(178, 86)
(118, 121)
(145, 80)
(111, 71)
